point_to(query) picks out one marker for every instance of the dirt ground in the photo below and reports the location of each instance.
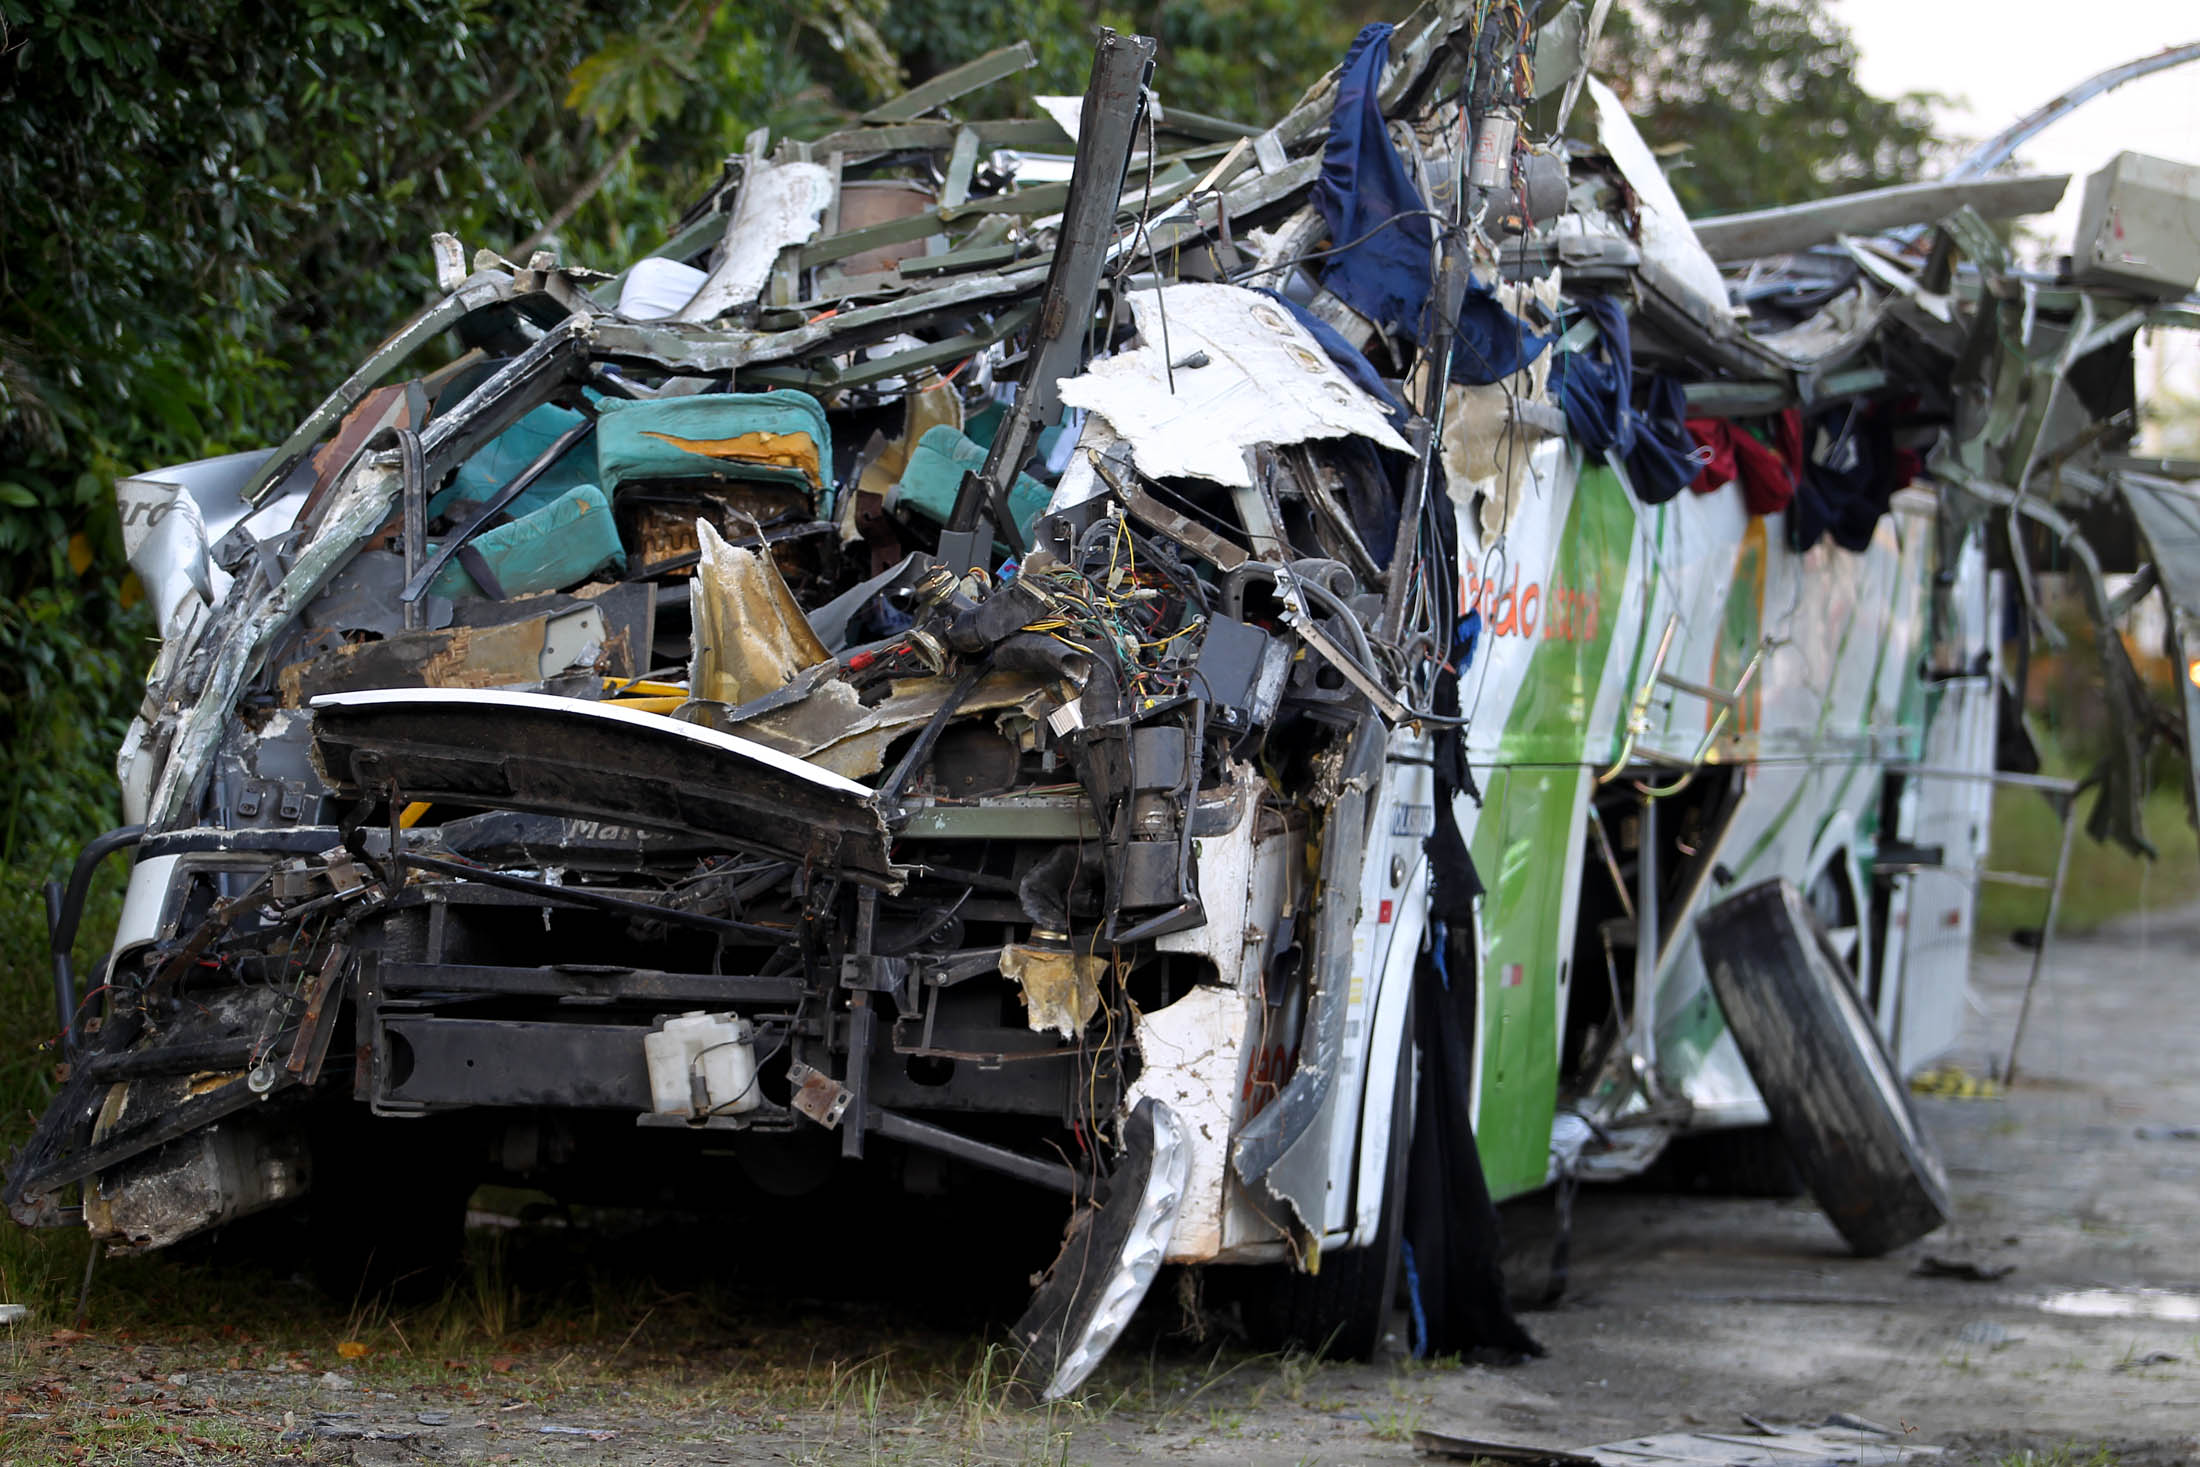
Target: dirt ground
(1682, 1313)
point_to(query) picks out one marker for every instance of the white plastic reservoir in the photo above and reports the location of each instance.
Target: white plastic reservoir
(702, 1064)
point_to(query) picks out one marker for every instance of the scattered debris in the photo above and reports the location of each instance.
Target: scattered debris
(1953, 1082)
(1033, 664)
(1471, 1449)
(2124, 1304)
(1843, 1441)
(1848, 1421)
(2150, 1358)
(1971, 1270)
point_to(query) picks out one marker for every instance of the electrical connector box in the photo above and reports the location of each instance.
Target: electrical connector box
(2139, 227)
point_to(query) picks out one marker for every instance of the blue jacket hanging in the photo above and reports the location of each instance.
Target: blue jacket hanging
(1363, 187)
(1596, 393)
(1848, 476)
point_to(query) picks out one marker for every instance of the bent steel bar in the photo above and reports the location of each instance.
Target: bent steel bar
(1054, 1175)
(1992, 153)
(1114, 98)
(64, 912)
(1282, 1148)
(409, 338)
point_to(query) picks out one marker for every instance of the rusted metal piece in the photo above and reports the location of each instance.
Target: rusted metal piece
(818, 1095)
(317, 1025)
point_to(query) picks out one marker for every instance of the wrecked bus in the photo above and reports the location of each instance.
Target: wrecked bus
(1276, 690)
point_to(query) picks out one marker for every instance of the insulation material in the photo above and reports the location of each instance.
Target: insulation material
(1485, 448)
(1244, 374)
(1061, 989)
(780, 205)
(750, 636)
(1667, 237)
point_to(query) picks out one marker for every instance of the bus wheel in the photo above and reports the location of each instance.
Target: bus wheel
(1822, 1068)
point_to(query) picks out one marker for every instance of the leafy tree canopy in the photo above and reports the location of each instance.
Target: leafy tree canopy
(1763, 97)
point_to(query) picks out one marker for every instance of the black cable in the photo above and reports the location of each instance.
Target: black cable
(1403, 214)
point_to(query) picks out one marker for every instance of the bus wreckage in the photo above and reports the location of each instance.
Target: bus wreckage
(1275, 686)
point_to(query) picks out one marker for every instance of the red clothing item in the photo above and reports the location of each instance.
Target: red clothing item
(1767, 472)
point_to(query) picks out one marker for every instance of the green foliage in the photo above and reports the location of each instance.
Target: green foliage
(1764, 96)
(212, 211)
(1246, 60)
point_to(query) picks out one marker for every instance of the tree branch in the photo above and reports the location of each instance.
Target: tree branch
(578, 199)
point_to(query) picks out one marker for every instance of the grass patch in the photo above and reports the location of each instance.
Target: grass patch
(2069, 1454)
(2104, 881)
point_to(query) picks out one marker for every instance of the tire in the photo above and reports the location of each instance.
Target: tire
(1822, 1069)
(1341, 1312)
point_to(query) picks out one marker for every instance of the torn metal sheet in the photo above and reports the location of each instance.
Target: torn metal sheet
(780, 205)
(1668, 239)
(750, 637)
(1195, 1057)
(526, 751)
(1221, 371)
(2167, 516)
(530, 651)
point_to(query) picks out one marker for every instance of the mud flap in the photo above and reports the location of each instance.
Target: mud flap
(1822, 1068)
(1109, 1257)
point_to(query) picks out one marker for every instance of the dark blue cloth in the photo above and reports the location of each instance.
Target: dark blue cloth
(1592, 388)
(1597, 396)
(1846, 481)
(1492, 342)
(1350, 359)
(1665, 456)
(1364, 185)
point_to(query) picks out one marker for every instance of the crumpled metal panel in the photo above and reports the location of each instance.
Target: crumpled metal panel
(561, 756)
